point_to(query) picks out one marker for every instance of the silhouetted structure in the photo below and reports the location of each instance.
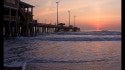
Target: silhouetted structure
(11, 17)
(27, 24)
(18, 21)
(49, 28)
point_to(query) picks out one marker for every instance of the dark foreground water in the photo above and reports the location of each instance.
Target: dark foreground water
(64, 52)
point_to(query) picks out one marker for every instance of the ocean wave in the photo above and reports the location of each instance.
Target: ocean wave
(69, 61)
(90, 33)
(78, 38)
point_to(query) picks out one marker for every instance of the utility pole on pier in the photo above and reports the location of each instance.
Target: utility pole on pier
(69, 16)
(57, 12)
(74, 20)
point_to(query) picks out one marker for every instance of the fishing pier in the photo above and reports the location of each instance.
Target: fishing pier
(18, 21)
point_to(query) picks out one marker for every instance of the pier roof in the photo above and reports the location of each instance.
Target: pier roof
(25, 4)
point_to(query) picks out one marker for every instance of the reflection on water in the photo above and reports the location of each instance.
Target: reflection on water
(77, 50)
(78, 55)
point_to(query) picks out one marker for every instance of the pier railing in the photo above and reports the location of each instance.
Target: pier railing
(8, 18)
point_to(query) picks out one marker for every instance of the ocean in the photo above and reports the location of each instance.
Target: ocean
(65, 51)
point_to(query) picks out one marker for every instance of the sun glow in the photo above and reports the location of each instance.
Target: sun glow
(97, 15)
(98, 27)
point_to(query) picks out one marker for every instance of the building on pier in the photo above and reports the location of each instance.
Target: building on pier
(18, 19)
(11, 18)
(27, 22)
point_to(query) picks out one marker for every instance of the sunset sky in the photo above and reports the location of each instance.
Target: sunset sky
(90, 14)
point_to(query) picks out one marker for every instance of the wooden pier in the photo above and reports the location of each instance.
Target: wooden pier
(49, 28)
(18, 21)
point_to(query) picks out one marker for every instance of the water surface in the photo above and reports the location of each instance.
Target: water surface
(69, 52)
